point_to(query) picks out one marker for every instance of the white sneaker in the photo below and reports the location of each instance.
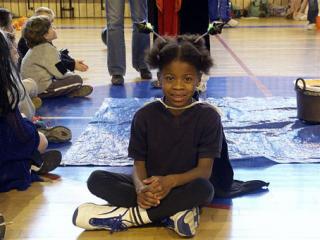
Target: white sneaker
(232, 23)
(311, 26)
(184, 223)
(91, 216)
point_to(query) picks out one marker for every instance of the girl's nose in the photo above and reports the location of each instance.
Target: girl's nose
(178, 83)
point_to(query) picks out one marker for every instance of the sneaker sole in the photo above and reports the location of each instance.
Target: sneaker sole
(57, 134)
(117, 82)
(51, 160)
(74, 217)
(83, 91)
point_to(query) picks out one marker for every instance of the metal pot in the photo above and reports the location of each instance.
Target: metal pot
(308, 100)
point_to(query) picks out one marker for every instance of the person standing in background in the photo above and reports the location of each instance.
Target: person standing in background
(221, 10)
(313, 11)
(116, 43)
(194, 17)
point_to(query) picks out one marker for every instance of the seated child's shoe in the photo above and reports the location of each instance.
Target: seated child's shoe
(57, 134)
(47, 162)
(2, 227)
(83, 91)
(37, 102)
(184, 223)
(91, 216)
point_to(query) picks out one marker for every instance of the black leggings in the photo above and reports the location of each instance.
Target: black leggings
(118, 190)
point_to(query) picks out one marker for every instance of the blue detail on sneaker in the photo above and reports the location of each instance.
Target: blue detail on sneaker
(91, 216)
(184, 228)
(183, 223)
(114, 224)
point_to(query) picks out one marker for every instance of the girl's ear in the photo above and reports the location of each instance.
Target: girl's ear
(45, 36)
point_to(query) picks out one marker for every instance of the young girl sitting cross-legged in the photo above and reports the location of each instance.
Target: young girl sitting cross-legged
(174, 143)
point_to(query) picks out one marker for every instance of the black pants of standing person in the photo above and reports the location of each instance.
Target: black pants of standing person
(153, 15)
(194, 18)
(119, 190)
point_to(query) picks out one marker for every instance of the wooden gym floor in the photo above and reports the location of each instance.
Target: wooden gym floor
(265, 54)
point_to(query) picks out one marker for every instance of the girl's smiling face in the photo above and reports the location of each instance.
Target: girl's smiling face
(179, 80)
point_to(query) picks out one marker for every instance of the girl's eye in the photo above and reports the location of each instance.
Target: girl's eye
(188, 79)
(169, 78)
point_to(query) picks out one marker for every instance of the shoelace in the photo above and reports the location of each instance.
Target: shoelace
(116, 224)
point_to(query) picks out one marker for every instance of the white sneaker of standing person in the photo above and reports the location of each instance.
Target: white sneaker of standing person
(184, 223)
(91, 216)
(232, 23)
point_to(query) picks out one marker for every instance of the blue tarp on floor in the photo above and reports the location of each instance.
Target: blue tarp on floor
(254, 127)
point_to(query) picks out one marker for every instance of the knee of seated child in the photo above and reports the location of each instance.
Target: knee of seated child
(78, 79)
(43, 143)
(96, 178)
(204, 188)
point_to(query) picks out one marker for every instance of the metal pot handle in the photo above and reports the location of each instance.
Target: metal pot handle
(303, 83)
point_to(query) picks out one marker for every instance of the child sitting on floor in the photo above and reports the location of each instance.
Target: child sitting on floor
(176, 144)
(31, 101)
(43, 62)
(70, 63)
(23, 148)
